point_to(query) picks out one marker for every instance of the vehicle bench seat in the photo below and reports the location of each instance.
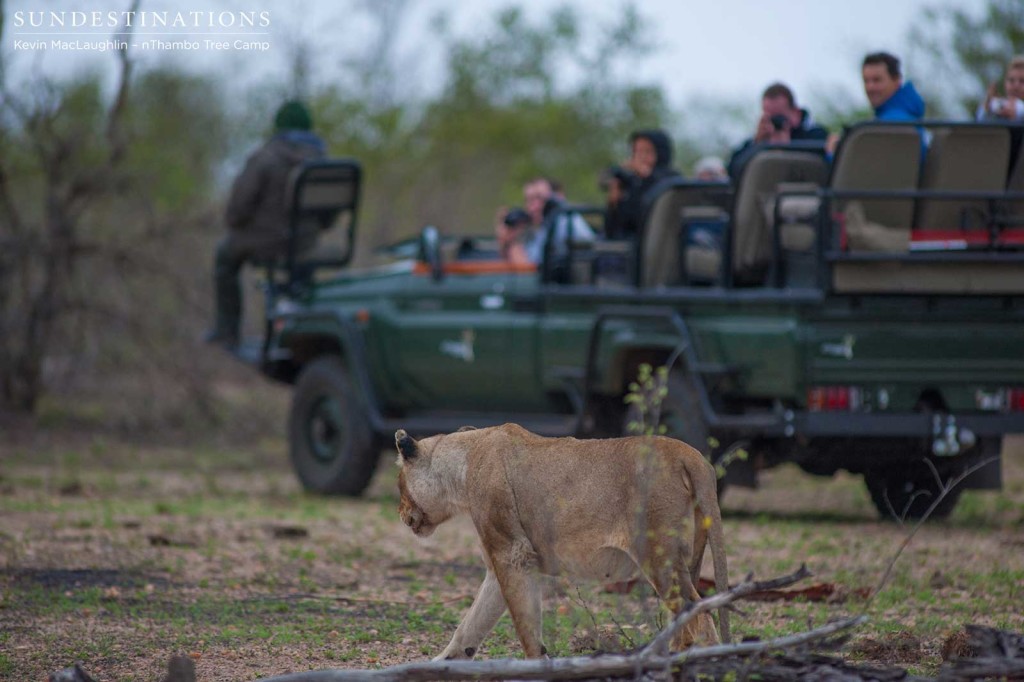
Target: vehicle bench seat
(965, 159)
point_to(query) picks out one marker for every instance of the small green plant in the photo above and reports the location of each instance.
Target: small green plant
(645, 398)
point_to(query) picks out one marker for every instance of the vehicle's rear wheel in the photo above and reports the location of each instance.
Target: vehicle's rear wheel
(331, 444)
(906, 493)
(682, 418)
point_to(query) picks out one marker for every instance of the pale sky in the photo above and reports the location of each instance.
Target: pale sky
(728, 49)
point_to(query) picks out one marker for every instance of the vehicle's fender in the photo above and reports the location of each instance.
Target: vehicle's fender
(302, 337)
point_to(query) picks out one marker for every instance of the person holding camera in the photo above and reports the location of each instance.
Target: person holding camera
(522, 233)
(628, 184)
(781, 122)
(1009, 107)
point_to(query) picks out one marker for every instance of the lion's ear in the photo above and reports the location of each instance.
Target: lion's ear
(405, 444)
(466, 428)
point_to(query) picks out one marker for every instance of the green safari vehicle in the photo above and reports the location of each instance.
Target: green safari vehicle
(864, 313)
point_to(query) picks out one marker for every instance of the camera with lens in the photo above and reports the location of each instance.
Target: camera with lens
(623, 175)
(517, 217)
(779, 122)
(996, 104)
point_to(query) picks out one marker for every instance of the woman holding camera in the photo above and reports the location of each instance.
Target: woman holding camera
(1011, 106)
(650, 161)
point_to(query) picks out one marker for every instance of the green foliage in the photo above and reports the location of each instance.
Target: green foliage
(967, 52)
(180, 134)
(508, 112)
(645, 397)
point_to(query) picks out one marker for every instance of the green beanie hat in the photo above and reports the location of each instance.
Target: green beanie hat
(293, 115)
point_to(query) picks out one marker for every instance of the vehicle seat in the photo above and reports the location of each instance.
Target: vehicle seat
(323, 197)
(879, 158)
(888, 158)
(962, 159)
(660, 248)
(755, 196)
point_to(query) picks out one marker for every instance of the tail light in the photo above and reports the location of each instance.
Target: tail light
(1015, 399)
(1007, 399)
(833, 398)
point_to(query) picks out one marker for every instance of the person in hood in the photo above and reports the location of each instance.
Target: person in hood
(890, 97)
(257, 213)
(629, 185)
(781, 122)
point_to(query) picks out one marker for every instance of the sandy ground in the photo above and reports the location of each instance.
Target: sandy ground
(118, 556)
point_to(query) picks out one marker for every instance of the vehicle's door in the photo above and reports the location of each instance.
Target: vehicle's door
(452, 344)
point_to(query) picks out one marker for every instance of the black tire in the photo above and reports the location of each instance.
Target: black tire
(906, 493)
(331, 444)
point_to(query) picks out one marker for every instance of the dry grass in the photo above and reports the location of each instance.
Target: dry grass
(118, 555)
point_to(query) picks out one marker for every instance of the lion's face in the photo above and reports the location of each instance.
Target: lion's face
(423, 503)
(411, 513)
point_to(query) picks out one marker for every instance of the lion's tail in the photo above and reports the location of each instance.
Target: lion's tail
(707, 524)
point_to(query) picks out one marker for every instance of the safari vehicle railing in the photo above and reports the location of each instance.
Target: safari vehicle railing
(890, 221)
(789, 216)
(323, 205)
(323, 198)
(736, 245)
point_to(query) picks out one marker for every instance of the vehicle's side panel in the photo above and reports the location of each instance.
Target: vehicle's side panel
(901, 349)
(450, 344)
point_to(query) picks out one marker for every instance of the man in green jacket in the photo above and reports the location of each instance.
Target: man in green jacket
(257, 213)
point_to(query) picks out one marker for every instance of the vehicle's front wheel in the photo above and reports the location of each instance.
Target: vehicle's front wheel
(330, 440)
(906, 493)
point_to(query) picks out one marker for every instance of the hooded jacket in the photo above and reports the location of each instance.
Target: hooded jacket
(257, 210)
(625, 219)
(808, 130)
(904, 105)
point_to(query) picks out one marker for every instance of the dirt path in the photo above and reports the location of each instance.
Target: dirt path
(118, 557)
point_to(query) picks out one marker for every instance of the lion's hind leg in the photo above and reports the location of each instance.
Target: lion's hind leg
(668, 572)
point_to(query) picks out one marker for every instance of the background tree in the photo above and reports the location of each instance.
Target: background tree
(520, 98)
(103, 196)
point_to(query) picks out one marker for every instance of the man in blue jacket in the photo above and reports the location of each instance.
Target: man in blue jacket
(890, 97)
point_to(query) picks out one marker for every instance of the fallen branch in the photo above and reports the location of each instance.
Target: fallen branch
(583, 667)
(944, 488)
(659, 645)
(819, 592)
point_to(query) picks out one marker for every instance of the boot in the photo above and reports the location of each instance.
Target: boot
(227, 298)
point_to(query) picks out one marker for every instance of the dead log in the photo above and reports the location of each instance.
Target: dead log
(651, 659)
(993, 654)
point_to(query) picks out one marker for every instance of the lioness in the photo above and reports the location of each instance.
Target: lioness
(597, 509)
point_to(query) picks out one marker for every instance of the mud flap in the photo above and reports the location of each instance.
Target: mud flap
(990, 475)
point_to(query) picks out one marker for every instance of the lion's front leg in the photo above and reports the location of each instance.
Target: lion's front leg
(522, 590)
(487, 608)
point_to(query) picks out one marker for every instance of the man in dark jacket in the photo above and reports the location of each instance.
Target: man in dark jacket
(629, 185)
(781, 122)
(257, 212)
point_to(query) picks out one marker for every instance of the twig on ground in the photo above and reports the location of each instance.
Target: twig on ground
(659, 645)
(580, 667)
(944, 489)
